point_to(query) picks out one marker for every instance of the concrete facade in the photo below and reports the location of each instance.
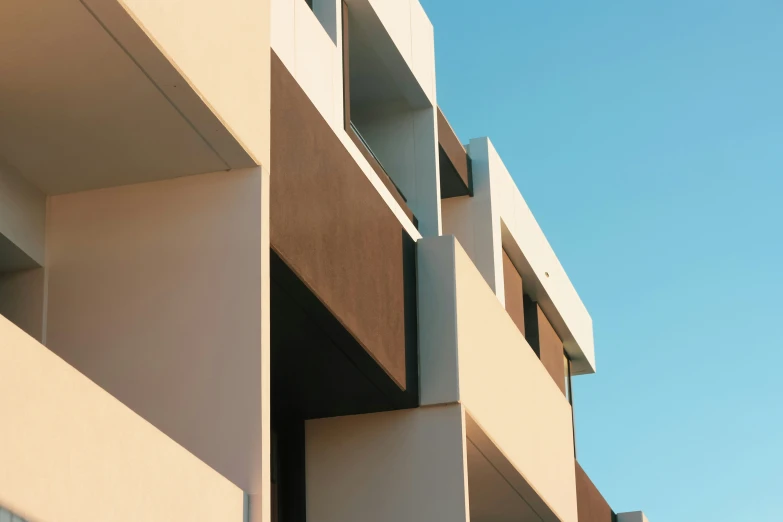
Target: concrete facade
(232, 289)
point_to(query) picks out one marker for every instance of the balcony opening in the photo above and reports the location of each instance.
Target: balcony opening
(497, 490)
(318, 370)
(386, 112)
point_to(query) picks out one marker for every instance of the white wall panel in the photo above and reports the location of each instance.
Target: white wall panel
(283, 32)
(222, 49)
(155, 292)
(423, 49)
(316, 54)
(395, 15)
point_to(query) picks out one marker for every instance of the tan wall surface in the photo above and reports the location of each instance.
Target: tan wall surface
(223, 49)
(73, 453)
(388, 467)
(155, 293)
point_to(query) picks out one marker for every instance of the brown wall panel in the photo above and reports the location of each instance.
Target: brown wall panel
(513, 292)
(551, 350)
(333, 229)
(591, 505)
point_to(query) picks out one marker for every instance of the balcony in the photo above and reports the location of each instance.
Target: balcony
(497, 222)
(71, 452)
(100, 94)
(518, 422)
(343, 266)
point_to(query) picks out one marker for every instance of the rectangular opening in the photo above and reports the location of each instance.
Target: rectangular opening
(380, 115)
(514, 292)
(287, 462)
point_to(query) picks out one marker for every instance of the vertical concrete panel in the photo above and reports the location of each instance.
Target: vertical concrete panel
(22, 216)
(423, 49)
(155, 293)
(437, 306)
(427, 204)
(387, 467)
(283, 32)
(315, 61)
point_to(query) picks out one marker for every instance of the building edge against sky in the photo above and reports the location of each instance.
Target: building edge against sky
(248, 271)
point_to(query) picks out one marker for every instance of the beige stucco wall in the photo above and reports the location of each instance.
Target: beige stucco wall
(69, 452)
(223, 50)
(386, 467)
(472, 352)
(158, 293)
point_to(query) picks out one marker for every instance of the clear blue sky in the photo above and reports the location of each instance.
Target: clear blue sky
(647, 137)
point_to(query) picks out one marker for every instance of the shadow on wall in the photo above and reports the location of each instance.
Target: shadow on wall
(7, 516)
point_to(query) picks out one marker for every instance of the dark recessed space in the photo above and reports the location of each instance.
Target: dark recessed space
(317, 368)
(452, 185)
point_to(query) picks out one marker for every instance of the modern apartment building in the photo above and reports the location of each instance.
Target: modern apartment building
(248, 272)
